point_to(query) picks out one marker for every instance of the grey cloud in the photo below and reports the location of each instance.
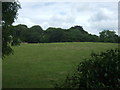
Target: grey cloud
(99, 16)
(93, 16)
(104, 19)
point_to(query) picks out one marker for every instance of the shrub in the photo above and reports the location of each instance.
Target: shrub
(101, 70)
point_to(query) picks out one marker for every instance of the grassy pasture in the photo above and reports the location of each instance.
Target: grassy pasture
(37, 65)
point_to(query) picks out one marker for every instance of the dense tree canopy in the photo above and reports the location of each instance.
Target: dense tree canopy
(9, 14)
(108, 36)
(36, 34)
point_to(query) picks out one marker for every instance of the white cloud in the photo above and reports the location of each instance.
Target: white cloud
(69, 0)
(24, 21)
(92, 16)
(104, 19)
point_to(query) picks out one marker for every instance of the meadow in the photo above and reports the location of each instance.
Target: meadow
(40, 65)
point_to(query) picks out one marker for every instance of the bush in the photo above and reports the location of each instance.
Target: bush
(99, 71)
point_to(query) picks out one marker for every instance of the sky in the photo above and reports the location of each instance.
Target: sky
(94, 17)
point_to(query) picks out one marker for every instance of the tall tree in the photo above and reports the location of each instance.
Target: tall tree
(108, 36)
(54, 34)
(9, 14)
(21, 32)
(35, 34)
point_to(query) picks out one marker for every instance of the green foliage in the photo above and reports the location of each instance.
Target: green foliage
(55, 34)
(108, 36)
(20, 31)
(100, 71)
(36, 34)
(6, 40)
(15, 40)
(9, 14)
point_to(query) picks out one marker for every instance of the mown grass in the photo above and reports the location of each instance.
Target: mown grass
(38, 65)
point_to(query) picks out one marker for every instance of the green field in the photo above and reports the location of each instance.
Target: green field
(38, 65)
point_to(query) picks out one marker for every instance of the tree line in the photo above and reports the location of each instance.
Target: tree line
(35, 34)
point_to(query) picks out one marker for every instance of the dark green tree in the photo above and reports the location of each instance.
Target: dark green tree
(55, 34)
(77, 34)
(108, 36)
(93, 38)
(34, 34)
(15, 36)
(9, 14)
(20, 31)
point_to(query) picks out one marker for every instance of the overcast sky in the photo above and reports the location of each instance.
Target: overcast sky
(94, 17)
